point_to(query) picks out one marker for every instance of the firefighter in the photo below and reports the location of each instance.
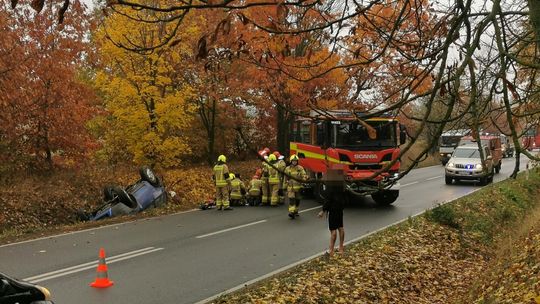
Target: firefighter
(238, 190)
(265, 198)
(271, 171)
(281, 165)
(220, 177)
(294, 175)
(254, 190)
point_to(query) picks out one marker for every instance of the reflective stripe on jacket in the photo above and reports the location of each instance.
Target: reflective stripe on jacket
(255, 187)
(236, 189)
(219, 172)
(273, 175)
(298, 173)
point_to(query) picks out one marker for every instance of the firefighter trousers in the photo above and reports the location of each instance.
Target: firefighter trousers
(222, 196)
(274, 191)
(294, 201)
(265, 199)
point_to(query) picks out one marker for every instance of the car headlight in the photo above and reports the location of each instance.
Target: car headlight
(479, 166)
(450, 165)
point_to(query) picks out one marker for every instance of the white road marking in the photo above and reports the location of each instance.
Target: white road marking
(309, 209)
(435, 177)
(409, 184)
(230, 229)
(90, 265)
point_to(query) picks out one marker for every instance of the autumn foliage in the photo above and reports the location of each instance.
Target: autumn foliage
(45, 102)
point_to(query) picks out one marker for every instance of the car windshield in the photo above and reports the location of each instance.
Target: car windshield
(466, 153)
(450, 141)
(353, 135)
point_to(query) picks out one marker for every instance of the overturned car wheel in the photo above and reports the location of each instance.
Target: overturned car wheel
(125, 197)
(108, 193)
(148, 175)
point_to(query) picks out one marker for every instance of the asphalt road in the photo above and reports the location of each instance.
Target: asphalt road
(191, 256)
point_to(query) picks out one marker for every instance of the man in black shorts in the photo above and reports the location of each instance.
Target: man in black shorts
(333, 207)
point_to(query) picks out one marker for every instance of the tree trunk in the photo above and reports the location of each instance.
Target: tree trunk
(282, 130)
(211, 129)
(534, 17)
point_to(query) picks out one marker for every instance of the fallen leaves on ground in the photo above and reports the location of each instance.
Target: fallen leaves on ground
(419, 262)
(422, 260)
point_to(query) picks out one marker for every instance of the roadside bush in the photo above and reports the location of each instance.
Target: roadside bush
(444, 214)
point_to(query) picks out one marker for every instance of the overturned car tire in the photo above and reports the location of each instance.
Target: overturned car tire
(148, 175)
(125, 197)
(108, 193)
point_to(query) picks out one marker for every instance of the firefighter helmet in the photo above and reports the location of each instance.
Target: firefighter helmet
(222, 159)
(272, 157)
(294, 157)
(232, 176)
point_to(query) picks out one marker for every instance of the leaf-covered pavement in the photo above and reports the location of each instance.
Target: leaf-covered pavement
(435, 258)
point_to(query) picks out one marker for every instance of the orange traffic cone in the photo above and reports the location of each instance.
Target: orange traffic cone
(102, 278)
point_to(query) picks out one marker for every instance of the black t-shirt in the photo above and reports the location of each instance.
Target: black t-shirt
(333, 198)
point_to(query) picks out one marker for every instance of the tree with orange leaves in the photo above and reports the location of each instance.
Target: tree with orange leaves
(46, 103)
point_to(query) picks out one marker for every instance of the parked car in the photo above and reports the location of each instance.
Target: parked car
(14, 291)
(147, 192)
(466, 164)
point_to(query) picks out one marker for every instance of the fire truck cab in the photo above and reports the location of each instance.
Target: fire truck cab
(355, 144)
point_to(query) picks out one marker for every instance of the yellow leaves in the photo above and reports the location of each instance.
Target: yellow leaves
(145, 94)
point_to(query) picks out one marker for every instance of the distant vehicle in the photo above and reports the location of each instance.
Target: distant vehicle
(448, 141)
(493, 142)
(16, 291)
(147, 192)
(354, 144)
(507, 148)
(466, 164)
(531, 138)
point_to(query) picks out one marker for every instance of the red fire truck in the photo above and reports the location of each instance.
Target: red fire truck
(355, 144)
(531, 138)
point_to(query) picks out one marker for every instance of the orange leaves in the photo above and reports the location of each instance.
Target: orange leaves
(282, 12)
(55, 104)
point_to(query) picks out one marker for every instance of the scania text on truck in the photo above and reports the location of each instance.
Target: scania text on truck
(355, 144)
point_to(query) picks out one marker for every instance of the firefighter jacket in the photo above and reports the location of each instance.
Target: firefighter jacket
(281, 165)
(272, 173)
(238, 189)
(221, 174)
(255, 186)
(264, 176)
(293, 177)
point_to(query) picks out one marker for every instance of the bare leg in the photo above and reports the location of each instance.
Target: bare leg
(341, 239)
(333, 235)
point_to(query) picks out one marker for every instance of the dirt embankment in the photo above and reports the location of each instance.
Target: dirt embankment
(32, 205)
(451, 254)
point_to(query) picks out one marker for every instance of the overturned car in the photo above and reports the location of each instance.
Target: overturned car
(147, 192)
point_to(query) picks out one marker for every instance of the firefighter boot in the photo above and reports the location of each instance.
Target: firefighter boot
(292, 209)
(297, 204)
